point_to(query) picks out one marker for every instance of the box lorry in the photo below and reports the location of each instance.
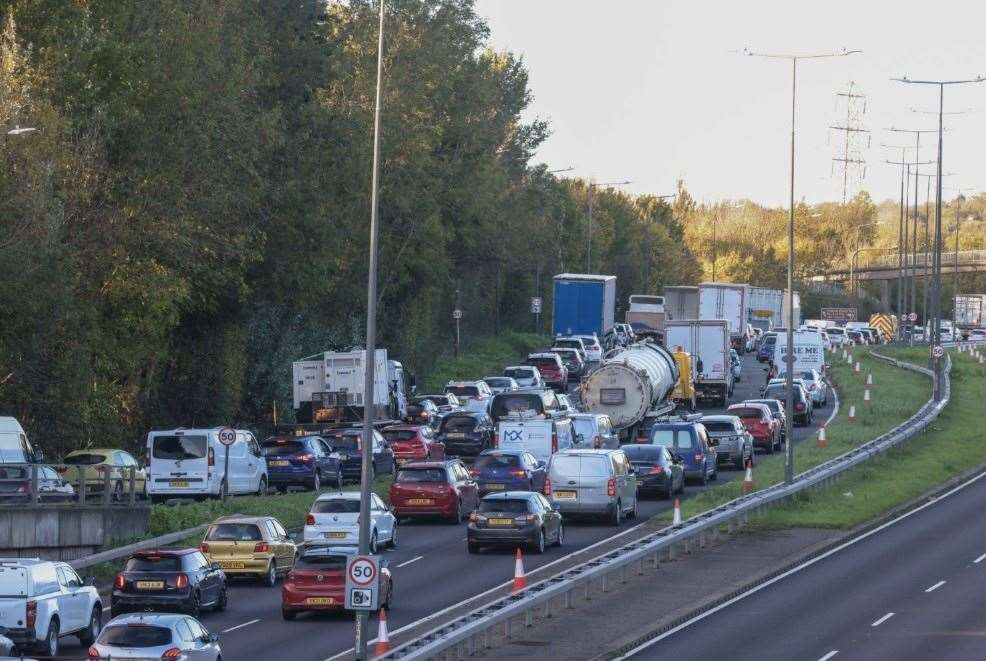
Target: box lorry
(646, 312)
(707, 341)
(583, 304)
(680, 302)
(970, 311)
(718, 300)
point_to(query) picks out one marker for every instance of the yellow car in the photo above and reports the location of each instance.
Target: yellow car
(250, 546)
(96, 462)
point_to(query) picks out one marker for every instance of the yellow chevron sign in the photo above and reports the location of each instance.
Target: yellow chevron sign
(885, 324)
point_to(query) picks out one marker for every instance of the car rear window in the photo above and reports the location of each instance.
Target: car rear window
(463, 391)
(234, 532)
(179, 448)
(400, 435)
(595, 467)
(498, 382)
(718, 426)
(746, 413)
(321, 562)
(87, 459)
(522, 404)
(422, 475)
(544, 363)
(164, 563)
(136, 635)
(336, 506)
(346, 442)
(496, 461)
(280, 448)
(520, 373)
(515, 506)
(663, 437)
(459, 423)
(13, 473)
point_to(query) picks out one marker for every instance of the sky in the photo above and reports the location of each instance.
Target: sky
(654, 91)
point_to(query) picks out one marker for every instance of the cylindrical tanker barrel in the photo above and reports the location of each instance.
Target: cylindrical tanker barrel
(630, 383)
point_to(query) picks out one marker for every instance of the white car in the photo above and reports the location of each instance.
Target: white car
(814, 383)
(51, 601)
(333, 519)
(837, 336)
(826, 340)
(526, 376)
(474, 395)
(500, 384)
(156, 636)
(593, 349)
(977, 335)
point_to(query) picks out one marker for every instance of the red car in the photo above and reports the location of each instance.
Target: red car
(553, 371)
(318, 582)
(434, 488)
(762, 425)
(413, 443)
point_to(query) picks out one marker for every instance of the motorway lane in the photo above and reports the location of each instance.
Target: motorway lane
(432, 571)
(913, 590)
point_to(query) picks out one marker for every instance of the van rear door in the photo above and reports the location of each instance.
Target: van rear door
(13, 596)
(180, 462)
(534, 436)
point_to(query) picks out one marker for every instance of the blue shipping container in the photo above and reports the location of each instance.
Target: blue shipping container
(583, 304)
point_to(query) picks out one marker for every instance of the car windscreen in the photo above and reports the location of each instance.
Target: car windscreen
(154, 563)
(718, 426)
(421, 475)
(84, 459)
(317, 562)
(179, 448)
(523, 404)
(584, 427)
(777, 392)
(515, 506)
(233, 532)
(463, 391)
(459, 423)
(280, 448)
(399, 434)
(496, 461)
(643, 454)
(520, 373)
(336, 506)
(141, 635)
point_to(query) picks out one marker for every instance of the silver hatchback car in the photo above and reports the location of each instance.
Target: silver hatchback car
(156, 636)
(592, 482)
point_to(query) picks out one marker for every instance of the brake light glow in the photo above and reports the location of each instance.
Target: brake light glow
(310, 520)
(204, 547)
(547, 486)
(699, 456)
(93, 654)
(181, 581)
(212, 457)
(641, 439)
(518, 472)
(171, 655)
(554, 441)
(261, 547)
(611, 487)
(307, 458)
(657, 469)
(119, 582)
(32, 613)
(496, 439)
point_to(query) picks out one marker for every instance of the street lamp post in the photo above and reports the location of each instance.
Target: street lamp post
(853, 285)
(789, 388)
(588, 234)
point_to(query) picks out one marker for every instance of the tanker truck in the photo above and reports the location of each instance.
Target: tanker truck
(632, 386)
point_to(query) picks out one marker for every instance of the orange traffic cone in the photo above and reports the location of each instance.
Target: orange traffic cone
(676, 517)
(822, 440)
(852, 413)
(748, 480)
(383, 640)
(520, 579)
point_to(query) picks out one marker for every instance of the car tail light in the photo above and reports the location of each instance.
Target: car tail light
(473, 472)
(611, 487)
(204, 547)
(181, 581)
(657, 470)
(22, 488)
(307, 458)
(496, 439)
(171, 654)
(547, 486)
(93, 654)
(310, 520)
(212, 457)
(518, 472)
(32, 613)
(554, 442)
(119, 582)
(640, 439)
(699, 456)
(261, 547)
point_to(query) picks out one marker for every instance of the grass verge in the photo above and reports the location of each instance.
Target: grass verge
(950, 448)
(486, 357)
(897, 394)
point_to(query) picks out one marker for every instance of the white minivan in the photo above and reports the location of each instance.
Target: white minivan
(14, 446)
(184, 463)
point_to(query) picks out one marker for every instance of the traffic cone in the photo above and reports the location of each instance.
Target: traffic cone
(855, 369)
(852, 413)
(844, 354)
(748, 480)
(869, 378)
(866, 395)
(981, 359)
(822, 440)
(520, 579)
(849, 360)
(676, 517)
(383, 640)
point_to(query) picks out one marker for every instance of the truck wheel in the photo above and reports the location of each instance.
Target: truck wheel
(617, 517)
(49, 646)
(88, 635)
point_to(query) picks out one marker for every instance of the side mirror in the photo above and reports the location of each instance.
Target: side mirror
(216, 566)
(89, 580)
(38, 456)
(213, 637)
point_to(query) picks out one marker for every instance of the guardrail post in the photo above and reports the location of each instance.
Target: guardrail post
(605, 586)
(34, 484)
(731, 527)
(655, 559)
(623, 574)
(588, 586)
(671, 552)
(640, 567)
(106, 487)
(547, 609)
(686, 543)
(133, 485)
(487, 635)
(82, 484)
(701, 539)
(507, 629)
(529, 617)
(568, 599)
(715, 534)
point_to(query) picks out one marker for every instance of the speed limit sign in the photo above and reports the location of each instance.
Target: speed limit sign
(938, 351)
(362, 582)
(227, 436)
(912, 316)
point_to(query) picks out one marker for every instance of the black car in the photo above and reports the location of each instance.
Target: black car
(423, 412)
(348, 444)
(513, 518)
(170, 580)
(802, 405)
(446, 401)
(657, 471)
(307, 461)
(466, 433)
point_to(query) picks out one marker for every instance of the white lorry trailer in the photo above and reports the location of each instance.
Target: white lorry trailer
(707, 340)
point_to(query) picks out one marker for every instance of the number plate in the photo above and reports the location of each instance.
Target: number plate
(280, 462)
(565, 495)
(494, 487)
(179, 484)
(420, 501)
(232, 565)
(501, 522)
(150, 585)
(320, 601)
(401, 461)
(455, 434)
(335, 535)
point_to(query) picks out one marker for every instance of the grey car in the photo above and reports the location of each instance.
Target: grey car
(598, 483)
(594, 430)
(735, 442)
(150, 636)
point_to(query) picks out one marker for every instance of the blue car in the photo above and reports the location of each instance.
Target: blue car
(690, 441)
(306, 461)
(508, 470)
(766, 350)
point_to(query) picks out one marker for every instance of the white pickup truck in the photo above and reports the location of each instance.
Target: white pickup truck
(41, 600)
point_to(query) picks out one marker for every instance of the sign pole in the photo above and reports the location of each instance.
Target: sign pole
(227, 436)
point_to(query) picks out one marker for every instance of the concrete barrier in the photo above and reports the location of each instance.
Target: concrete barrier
(68, 532)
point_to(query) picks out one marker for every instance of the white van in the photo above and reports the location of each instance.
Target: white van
(14, 446)
(190, 463)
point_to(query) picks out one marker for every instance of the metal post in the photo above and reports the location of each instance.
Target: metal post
(927, 222)
(907, 239)
(914, 241)
(133, 485)
(715, 245)
(106, 487)
(371, 341)
(789, 359)
(82, 484)
(955, 275)
(537, 294)
(936, 285)
(225, 472)
(34, 484)
(458, 306)
(588, 234)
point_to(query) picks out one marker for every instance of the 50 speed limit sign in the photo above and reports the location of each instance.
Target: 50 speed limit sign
(227, 436)
(362, 582)
(938, 351)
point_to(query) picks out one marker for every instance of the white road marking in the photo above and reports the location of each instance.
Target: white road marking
(829, 655)
(882, 620)
(980, 558)
(240, 626)
(804, 565)
(935, 586)
(405, 564)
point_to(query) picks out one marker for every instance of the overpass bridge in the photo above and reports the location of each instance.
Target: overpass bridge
(885, 267)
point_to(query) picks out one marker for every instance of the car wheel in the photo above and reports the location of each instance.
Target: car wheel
(633, 513)
(473, 548)
(49, 646)
(457, 515)
(390, 597)
(88, 635)
(270, 578)
(705, 475)
(222, 601)
(195, 610)
(288, 616)
(393, 537)
(617, 517)
(561, 534)
(316, 481)
(118, 492)
(373, 543)
(715, 472)
(739, 464)
(539, 543)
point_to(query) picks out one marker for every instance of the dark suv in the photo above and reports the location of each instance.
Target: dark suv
(169, 580)
(466, 433)
(307, 461)
(690, 441)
